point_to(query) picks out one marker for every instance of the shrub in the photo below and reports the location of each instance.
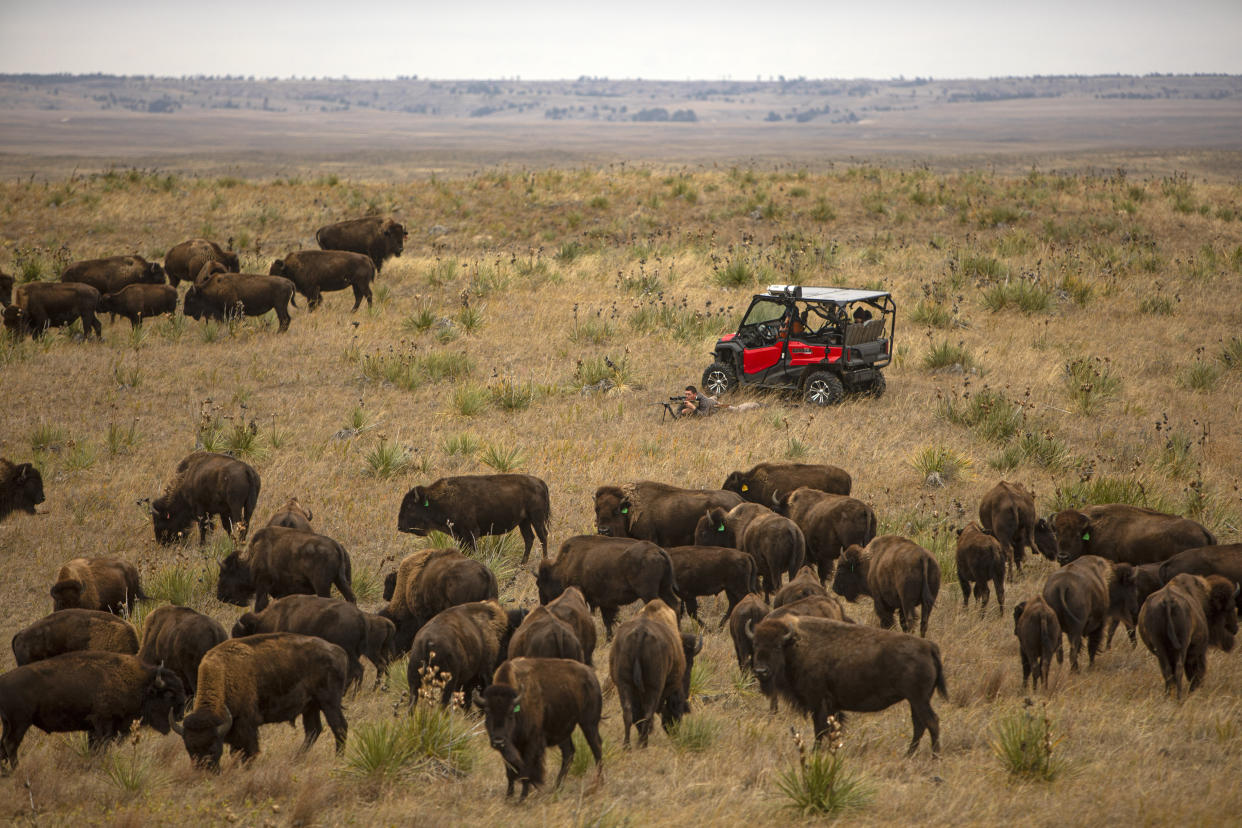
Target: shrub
(947, 355)
(130, 771)
(938, 465)
(1089, 383)
(502, 459)
(387, 459)
(821, 783)
(1024, 744)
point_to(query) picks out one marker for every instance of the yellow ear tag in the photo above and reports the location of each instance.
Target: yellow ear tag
(745, 488)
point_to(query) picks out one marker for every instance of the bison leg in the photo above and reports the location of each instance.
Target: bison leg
(924, 718)
(14, 732)
(982, 593)
(312, 726)
(884, 613)
(1075, 646)
(1196, 666)
(1026, 668)
(1093, 643)
(998, 583)
(336, 721)
(965, 584)
(532, 760)
(590, 729)
(528, 539)
(733, 598)
(609, 616)
(691, 603)
(567, 755)
(627, 717)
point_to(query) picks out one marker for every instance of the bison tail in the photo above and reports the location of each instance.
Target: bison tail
(345, 576)
(941, 688)
(873, 527)
(1170, 624)
(1063, 603)
(752, 574)
(928, 598)
(668, 584)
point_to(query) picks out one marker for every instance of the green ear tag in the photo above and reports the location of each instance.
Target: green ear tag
(517, 708)
(745, 488)
(720, 528)
(1086, 536)
(426, 502)
(625, 510)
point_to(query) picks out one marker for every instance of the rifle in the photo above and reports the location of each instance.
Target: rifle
(668, 407)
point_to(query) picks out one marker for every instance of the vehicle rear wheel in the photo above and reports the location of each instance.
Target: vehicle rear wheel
(823, 388)
(877, 386)
(718, 379)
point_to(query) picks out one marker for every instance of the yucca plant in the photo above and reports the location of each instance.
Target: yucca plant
(387, 459)
(1024, 743)
(946, 354)
(821, 784)
(470, 399)
(502, 459)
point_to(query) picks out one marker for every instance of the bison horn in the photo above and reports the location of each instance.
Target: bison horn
(227, 726)
(750, 629)
(172, 722)
(478, 699)
(309, 515)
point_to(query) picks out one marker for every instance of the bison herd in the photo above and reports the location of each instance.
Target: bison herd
(778, 533)
(351, 255)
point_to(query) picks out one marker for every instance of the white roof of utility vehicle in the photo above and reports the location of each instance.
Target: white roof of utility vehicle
(826, 294)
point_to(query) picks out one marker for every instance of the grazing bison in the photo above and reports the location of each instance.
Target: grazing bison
(315, 271)
(21, 488)
(460, 648)
(38, 306)
(429, 582)
(262, 679)
(1123, 533)
(1225, 559)
(114, 273)
(534, 702)
(650, 666)
(543, 635)
(241, 294)
(178, 638)
(292, 515)
(98, 692)
(824, 667)
(282, 561)
(139, 302)
(203, 485)
(1007, 513)
(571, 607)
(708, 570)
(748, 612)
(980, 559)
(776, 543)
(374, 236)
(897, 573)
(1039, 639)
(768, 483)
(1084, 594)
(70, 630)
(804, 584)
(107, 584)
(1179, 622)
(830, 523)
(665, 515)
(611, 572)
(471, 506)
(185, 260)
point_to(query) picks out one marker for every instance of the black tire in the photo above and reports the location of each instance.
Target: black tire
(877, 386)
(823, 388)
(718, 379)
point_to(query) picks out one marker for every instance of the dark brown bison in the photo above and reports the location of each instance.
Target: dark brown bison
(768, 483)
(1007, 513)
(241, 294)
(656, 512)
(534, 702)
(571, 607)
(709, 570)
(185, 260)
(980, 559)
(139, 302)
(1146, 581)
(897, 573)
(459, 649)
(813, 606)
(292, 515)
(1086, 593)
(830, 523)
(611, 572)
(70, 630)
(1224, 559)
(471, 506)
(776, 543)
(748, 612)
(543, 635)
(429, 582)
(21, 488)
(113, 273)
(281, 562)
(824, 667)
(98, 692)
(315, 271)
(802, 585)
(6, 289)
(1179, 622)
(650, 665)
(206, 484)
(178, 638)
(262, 679)
(38, 306)
(1039, 639)
(1128, 534)
(107, 584)
(373, 236)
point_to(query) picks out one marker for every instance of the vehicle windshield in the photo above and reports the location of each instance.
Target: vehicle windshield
(764, 310)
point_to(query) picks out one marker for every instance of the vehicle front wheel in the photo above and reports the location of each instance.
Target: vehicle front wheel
(718, 379)
(823, 388)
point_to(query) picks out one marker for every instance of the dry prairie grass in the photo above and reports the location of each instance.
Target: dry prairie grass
(564, 267)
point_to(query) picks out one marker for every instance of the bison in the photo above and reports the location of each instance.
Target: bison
(748, 612)
(650, 665)
(897, 573)
(571, 607)
(185, 260)
(315, 271)
(139, 302)
(281, 562)
(830, 523)
(227, 295)
(1007, 513)
(1146, 581)
(6, 289)
(373, 236)
(980, 559)
(1084, 594)
(534, 702)
(21, 488)
(98, 692)
(38, 306)
(1039, 638)
(206, 484)
(1224, 559)
(611, 572)
(708, 570)
(1179, 622)
(767, 483)
(460, 648)
(1123, 533)
(178, 638)
(107, 584)
(803, 585)
(543, 635)
(114, 273)
(824, 667)
(656, 512)
(471, 506)
(776, 543)
(262, 679)
(292, 515)
(70, 630)
(429, 582)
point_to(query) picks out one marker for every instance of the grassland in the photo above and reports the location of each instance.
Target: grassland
(1075, 332)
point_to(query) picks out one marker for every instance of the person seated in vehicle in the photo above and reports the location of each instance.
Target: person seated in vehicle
(696, 404)
(793, 323)
(861, 314)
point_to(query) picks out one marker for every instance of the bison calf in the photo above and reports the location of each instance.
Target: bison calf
(1039, 638)
(139, 302)
(708, 570)
(980, 559)
(1182, 619)
(897, 573)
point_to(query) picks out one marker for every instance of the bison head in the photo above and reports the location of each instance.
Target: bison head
(612, 512)
(194, 306)
(152, 274)
(420, 515)
(203, 733)
(278, 268)
(738, 482)
(164, 699)
(713, 529)
(236, 585)
(1222, 611)
(25, 486)
(1017, 617)
(248, 624)
(502, 705)
(1072, 531)
(395, 235)
(170, 517)
(1123, 593)
(67, 594)
(549, 582)
(678, 705)
(850, 580)
(1045, 539)
(15, 319)
(770, 637)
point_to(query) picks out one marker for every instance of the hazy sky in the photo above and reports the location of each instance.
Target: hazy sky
(666, 39)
